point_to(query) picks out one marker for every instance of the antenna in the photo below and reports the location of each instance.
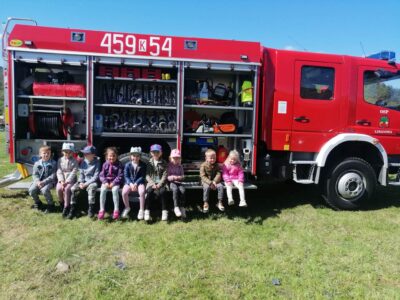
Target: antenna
(301, 46)
(362, 48)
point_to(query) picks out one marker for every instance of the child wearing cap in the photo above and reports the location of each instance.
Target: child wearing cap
(111, 177)
(156, 178)
(67, 168)
(210, 174)
(44, 179)
(135, 174)
(175, 176)
(89, 171)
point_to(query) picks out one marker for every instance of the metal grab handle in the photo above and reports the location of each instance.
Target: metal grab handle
(5, 34)
(363, 122)
(302, 119)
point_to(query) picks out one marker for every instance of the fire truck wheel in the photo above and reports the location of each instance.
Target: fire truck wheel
(350, 184)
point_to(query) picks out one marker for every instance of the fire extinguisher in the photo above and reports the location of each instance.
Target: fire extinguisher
(222, 154)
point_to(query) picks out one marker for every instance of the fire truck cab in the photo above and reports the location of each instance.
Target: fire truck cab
(331, 120)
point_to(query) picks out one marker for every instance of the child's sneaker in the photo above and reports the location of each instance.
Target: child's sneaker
(50, 208)
(125, 213)
(72, 212)
(183, 212)
(100, 216)
(231, 202)
(147, 216)
(140, 214)
(91, 211)
(65, 211)
(242, 203)
(177, 212)
(37, 205)
(116, 215)
(205, 207)
(164, 215)
(220, 206)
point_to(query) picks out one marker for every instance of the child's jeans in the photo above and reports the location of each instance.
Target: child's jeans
(115, 195)
(34, 193)
(207, 188)
(91, 190)
(239, 187)
(178, 194)
(64, 195)
(127, 190)
(151, 194)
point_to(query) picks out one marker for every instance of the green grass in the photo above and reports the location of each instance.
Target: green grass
(5, 167)
(286, 233)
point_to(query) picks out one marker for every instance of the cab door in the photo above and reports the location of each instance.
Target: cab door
(316, 106)
(378, 105)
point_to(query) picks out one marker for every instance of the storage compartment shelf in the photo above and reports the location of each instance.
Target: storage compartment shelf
(137, 106)
(218, 135)
(135, 80)
(217, 107)
(137, 135)
(52, 98)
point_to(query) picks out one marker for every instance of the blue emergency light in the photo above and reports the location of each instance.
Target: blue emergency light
(384, 55)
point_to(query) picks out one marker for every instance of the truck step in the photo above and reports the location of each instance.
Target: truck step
(394, 183)
(195, 185)
(304, 162)
(304, 181)
(394, 164)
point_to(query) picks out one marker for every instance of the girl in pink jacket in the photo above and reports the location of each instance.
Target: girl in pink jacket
(232, 173)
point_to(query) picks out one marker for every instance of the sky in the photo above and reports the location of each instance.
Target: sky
(350, 27)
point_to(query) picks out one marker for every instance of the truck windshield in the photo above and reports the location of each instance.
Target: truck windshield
(382, 88)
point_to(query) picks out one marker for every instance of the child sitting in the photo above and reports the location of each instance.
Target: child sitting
(89, 171)
(175, 176)
(44, 179)
(232, 173)
(156, 178)
(111, 176)
(67, 169)
(134, 174)
(210, 175)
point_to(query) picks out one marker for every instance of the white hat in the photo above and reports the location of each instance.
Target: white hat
(136, 150)
(68, 146)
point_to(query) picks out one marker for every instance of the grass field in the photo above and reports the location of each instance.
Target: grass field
(286, 235)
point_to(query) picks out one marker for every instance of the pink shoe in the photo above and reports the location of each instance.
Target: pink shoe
(100, 216)
(116, 215)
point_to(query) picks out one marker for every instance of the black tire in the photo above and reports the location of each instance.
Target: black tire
(350, 184)
(126, 157)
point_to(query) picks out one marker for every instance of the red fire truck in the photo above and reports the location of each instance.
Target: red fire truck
(331, 120)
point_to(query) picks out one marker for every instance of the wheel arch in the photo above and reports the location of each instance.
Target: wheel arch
(358, 145)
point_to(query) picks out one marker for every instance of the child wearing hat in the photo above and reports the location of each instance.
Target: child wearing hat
(156, 178)
(175, 176)
(135, 175)
(67, 168)
(89, 171)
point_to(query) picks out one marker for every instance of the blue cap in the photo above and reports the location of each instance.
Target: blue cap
(89, 150)
(155, 147)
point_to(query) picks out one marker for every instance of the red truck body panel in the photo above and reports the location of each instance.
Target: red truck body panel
(281, 103)
(138, 45)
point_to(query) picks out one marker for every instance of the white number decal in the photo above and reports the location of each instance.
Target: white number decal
(130, 42)
(106, 42)
(167, 46)
(118, 40)
(154, 42)
(119, 44)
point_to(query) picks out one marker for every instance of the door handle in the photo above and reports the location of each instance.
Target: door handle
(302, 119)
(363, 122)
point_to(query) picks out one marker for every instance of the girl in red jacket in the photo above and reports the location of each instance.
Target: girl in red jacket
(232, 173)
